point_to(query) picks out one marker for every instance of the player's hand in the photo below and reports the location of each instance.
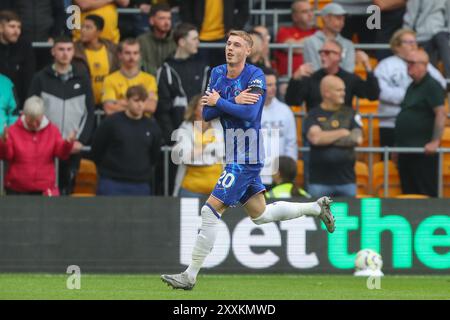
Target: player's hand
(245, 97)
(305, 70)
(431, 147)
(210, 98)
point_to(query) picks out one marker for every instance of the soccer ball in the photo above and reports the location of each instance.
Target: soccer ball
(367, 259)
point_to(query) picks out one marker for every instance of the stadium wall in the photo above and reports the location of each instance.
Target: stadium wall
(156, 234)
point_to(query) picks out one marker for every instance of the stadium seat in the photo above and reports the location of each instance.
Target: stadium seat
(394, 187)
(320, 3)
(361, 71)
(446, 178)
(362, 178)
(411, 196)
(445, 143)
(299, 180)
(369, 107)
(86, 179)
(299, 123)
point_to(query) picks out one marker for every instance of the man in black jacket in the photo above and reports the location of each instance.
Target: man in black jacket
(125, 148)
(304, 87)
(41, 20)
(69, 103)
(17, 60)
(181, 77)
(212, 25)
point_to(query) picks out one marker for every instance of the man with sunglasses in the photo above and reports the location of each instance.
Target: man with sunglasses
(304, 87)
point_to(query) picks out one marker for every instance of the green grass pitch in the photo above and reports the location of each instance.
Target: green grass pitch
(224, 287)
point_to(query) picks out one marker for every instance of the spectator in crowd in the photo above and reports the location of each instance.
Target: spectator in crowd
(356, 21)
(69, 103)
(214, 19)
(256, 55)
(284, 180)
(30, 146)
(7, 103)
(430, 20)
(42, 21)
(333, 16)
(133, 25)
(202, 146)
(17, 60)
(392, 12)
(125, 148)
(305, 84)
(116, 84)
(181, 77)
(302, 27)
(277, 116)
(157, 45)
(265, 52)
(333, 130)
(100, 55)
(393, 78)
(420, 123)
(107, 9)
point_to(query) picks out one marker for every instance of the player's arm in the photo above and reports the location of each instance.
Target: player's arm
(211, 113)
(244, 112)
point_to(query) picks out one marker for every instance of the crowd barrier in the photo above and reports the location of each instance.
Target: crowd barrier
(385, 151)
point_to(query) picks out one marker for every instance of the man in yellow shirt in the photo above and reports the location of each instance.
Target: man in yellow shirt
(116, 84)
(107, 9)
(98, 54)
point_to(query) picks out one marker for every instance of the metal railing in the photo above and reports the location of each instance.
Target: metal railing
(386, 151)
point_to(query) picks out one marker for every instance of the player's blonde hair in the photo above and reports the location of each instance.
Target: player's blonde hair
(243, 35)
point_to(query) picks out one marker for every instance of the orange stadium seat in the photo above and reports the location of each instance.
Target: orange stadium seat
(362, 178)
(299, 180)
(394, 187)
(86, 179)
(299, 123)
(320, 3)
(361, 71)
(445, 143)
(446, 178)
(366, 106)
(411, 196)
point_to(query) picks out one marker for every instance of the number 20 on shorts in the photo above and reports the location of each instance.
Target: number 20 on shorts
(226, 179)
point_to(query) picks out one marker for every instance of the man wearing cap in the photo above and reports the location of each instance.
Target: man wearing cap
(333, 16)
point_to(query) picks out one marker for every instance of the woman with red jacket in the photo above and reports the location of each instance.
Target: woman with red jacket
(30, 146)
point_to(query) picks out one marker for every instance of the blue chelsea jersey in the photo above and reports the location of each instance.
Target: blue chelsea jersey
(241, 123)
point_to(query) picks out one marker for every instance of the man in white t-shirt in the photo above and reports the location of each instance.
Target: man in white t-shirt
(393, 79)
(277, 115)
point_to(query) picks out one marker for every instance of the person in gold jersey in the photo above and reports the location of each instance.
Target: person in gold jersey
(107, 9)
(100, 55)
(116, 84)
